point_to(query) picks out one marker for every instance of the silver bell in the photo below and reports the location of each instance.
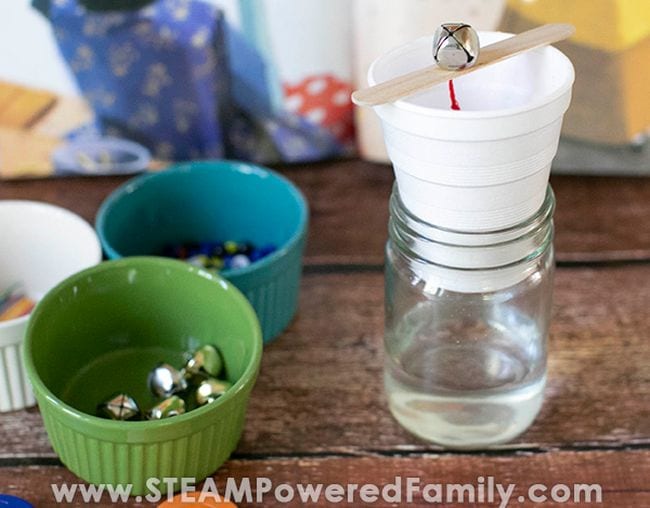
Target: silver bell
(165, 380)
(205, 360)
(455, 46)
(119, 407)
(172, 406)
(210, 390)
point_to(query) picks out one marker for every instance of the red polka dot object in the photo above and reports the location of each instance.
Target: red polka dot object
(325, 101)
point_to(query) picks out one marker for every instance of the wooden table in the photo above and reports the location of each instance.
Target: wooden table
(318, 412)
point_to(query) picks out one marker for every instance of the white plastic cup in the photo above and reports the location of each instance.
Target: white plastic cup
(40, 245)
(486, 167)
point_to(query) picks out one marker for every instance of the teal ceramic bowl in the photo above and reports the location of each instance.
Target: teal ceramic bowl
(217, 201)
(101, 331)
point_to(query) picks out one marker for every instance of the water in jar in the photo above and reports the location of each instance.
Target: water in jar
(465, 376)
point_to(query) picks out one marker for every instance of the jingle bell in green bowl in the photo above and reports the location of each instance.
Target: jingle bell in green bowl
(208, 201)
(101, 331)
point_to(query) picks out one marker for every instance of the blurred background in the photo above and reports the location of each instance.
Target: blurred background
(119, 86)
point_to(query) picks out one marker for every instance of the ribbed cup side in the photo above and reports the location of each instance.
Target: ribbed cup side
(195, 455)
(472, 164)
(15, 390)
(472, 221)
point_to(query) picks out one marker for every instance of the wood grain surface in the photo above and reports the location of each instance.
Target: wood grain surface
(318, 411)
(598, 219)
(320, 387)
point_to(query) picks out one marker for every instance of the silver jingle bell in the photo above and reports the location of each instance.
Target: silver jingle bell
(172, 406)
(455, 46)
(165, 380)
(119, 407)
(205, 360)
(210, 390)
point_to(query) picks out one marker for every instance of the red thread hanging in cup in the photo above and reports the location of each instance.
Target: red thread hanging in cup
(452, 96)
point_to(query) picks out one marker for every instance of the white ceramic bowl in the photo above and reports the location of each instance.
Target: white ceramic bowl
(40, 245)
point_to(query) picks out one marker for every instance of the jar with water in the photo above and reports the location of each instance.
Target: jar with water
(467, 319)
(469, 260)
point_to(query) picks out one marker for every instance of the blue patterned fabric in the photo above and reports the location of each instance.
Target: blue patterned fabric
(175, 77)
(153, 75)
(258, 131)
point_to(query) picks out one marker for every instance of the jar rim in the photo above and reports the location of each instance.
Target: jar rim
(471, 250)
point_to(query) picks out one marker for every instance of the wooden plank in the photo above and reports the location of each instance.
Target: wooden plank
(602, 218)
(622, 477)
(597, 219)
(81, 195)
(69, 113)
(26, 107)
(320, 388)
(25, 152)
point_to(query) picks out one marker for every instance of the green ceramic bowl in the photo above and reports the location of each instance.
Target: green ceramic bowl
(102, 330)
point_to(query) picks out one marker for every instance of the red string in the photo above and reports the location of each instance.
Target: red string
(452, 96)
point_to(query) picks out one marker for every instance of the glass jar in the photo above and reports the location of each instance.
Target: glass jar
(467, 319)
